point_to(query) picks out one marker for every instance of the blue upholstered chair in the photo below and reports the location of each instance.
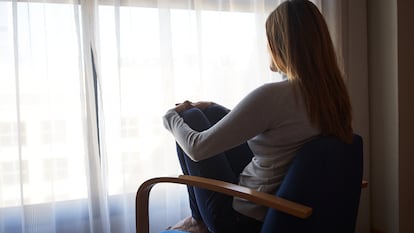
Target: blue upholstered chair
(320, 192)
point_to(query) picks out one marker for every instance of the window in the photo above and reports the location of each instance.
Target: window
(152, 58)
(41, 96)
(55, 169)
(9, 136)
(53, 131)
(150, 55)
(129, 127)
(13, 174)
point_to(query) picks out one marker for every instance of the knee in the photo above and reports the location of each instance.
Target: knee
(196, 119)
(191, 114)
(215, 112)
(217, 108)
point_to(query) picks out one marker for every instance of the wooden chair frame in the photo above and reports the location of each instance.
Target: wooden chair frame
(265, 199)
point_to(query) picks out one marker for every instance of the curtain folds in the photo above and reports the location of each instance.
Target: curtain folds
(83, 88)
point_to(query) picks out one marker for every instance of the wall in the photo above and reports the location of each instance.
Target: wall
(406, 114)
(391, 113)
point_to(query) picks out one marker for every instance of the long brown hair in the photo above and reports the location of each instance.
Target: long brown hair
(301, 47)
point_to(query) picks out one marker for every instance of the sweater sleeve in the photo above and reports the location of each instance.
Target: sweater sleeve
(252, 116)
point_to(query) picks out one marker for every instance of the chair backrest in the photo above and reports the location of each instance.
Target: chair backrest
(325, 175)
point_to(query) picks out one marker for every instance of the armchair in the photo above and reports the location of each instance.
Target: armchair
(320, 192)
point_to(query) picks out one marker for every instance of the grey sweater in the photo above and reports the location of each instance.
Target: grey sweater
(273, 122)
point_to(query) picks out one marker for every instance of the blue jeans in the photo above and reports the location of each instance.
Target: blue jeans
(213, 208)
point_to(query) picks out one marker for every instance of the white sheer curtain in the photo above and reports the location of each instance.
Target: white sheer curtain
(83, 87)
(154, 54)
(50, 168)
(78, 135)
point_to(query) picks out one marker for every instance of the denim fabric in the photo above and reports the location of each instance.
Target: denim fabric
(213, 208)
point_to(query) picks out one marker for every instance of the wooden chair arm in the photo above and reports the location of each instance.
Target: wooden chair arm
(364, 184)
(268, 200)
(261, 198)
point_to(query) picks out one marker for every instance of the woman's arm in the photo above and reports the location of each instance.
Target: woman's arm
(252, 116)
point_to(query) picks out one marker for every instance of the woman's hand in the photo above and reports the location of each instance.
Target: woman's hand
(187, 105)
(183, 106)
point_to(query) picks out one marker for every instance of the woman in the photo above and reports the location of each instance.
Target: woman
(254, 144)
